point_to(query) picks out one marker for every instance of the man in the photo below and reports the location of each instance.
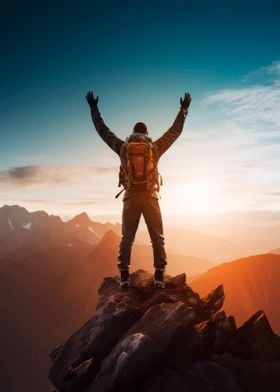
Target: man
(138, 198)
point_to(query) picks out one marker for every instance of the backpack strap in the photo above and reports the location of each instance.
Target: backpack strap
(118, 194)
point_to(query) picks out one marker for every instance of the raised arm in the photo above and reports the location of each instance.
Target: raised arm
(104, 132)
(169, 137)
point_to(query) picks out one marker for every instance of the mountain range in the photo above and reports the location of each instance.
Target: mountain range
(50, 272)
(24, 232)
(226, 236)
(49, 280)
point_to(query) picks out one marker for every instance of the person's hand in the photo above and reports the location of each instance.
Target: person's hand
(185, 102)
(91, 100)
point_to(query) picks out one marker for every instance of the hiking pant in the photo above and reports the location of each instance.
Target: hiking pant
(133, 207)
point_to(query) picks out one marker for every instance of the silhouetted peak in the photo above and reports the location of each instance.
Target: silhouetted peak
(13, 217)
(82, 219)
(109, 237)
(13, 208)
(23, 213)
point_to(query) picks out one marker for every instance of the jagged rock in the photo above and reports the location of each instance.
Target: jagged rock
(93, 341)
(212, 302)
(203, 376)
(54, 353)
(158, 326)
(149, 340)
(223, 328)
(254, 376)
(256, 340)
(126, 365)
(199, 342)
(141, 309)
(164, 321)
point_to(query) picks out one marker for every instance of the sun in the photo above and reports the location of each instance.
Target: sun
(194, 197)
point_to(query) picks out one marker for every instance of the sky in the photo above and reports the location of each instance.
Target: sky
(139, 58)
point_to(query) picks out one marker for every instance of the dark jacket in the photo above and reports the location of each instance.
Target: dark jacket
(161, 144)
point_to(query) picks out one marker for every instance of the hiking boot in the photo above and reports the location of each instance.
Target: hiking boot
(159, 278)
(124, 279)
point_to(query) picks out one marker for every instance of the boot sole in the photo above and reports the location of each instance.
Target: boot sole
(124, 285)
(159, 285)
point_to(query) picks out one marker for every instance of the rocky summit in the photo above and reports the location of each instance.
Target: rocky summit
(165, 340)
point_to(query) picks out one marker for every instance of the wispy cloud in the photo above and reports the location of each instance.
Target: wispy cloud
(22, 175)
(55, 175)
(256, 105)
(238, 149)
(273, 69)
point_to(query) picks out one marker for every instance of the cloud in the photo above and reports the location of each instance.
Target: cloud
(273, 69)
(256, 105)
(52, 174)
(236, 147)
(250, 132)
(22, 174)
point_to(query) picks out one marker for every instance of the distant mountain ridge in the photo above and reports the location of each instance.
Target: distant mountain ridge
(37, 231)
(24, 233)
(32, 232)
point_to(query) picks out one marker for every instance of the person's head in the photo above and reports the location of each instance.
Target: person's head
(140, 127)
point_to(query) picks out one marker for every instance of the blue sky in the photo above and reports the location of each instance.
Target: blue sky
(139, 57)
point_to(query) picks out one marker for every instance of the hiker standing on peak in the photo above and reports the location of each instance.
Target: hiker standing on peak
(139, 157)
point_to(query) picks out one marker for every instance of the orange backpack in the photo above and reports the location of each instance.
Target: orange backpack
(139, 169)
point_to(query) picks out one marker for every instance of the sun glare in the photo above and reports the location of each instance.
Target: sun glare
(195, 197)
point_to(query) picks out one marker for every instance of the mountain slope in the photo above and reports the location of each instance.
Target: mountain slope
(30, 321)
(250, 283)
